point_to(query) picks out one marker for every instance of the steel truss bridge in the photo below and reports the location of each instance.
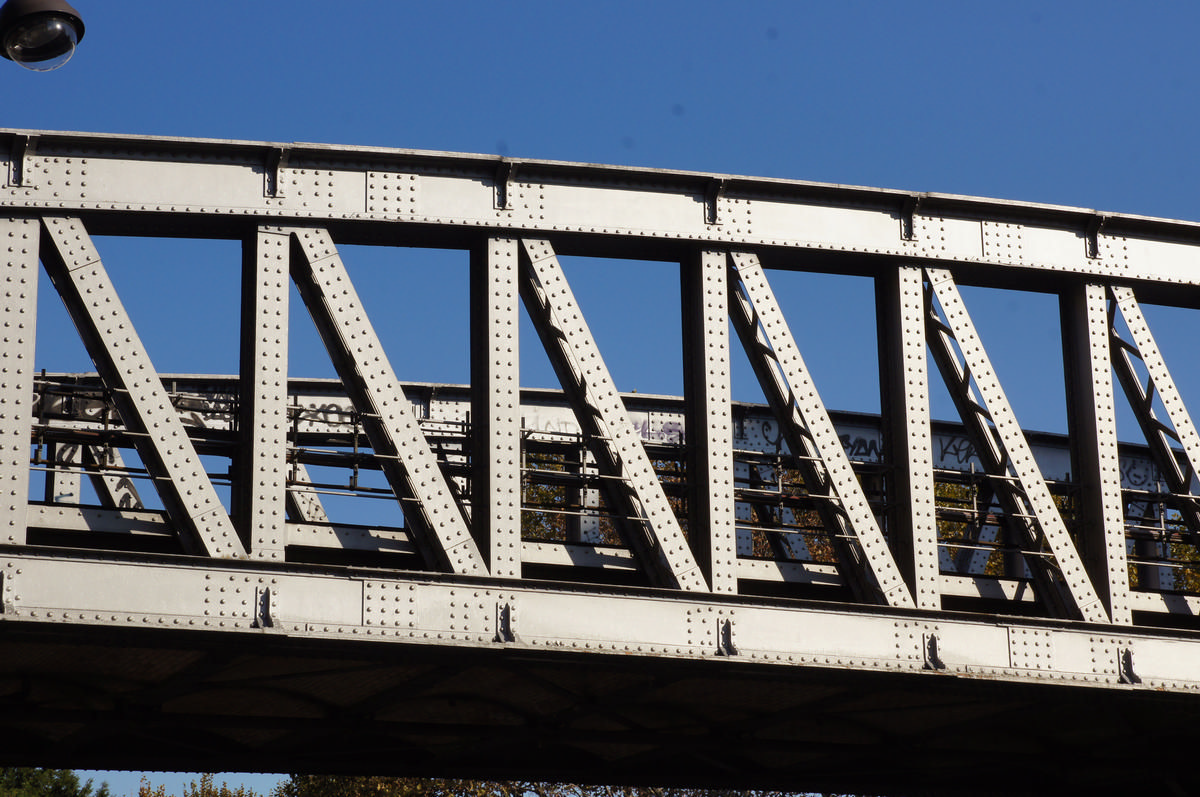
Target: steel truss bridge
(367, 575)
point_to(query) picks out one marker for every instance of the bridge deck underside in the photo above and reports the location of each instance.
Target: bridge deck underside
(157, 700)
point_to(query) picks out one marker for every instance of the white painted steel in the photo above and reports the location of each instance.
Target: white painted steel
(709, 417)
(415, 611)
(1089, 370)
(387, 418)
(18, 311)
(904, 385)
(463, 510)
(1034, 505)
(76, 172)
(785, 378)
(114, 346)
(264, 399)
(496, 405)
(580, 366)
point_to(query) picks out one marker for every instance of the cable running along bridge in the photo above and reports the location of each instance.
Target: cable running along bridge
(366, 574)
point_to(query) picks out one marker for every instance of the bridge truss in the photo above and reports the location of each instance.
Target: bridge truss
(582, 584)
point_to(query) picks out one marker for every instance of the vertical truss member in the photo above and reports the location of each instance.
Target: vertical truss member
(1092, 423)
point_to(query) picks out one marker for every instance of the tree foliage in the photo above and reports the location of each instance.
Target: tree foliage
(203, 788)
(340, 786)
(376, 786)
(29, 782)
(372, 786)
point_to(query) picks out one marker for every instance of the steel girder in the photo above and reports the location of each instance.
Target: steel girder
(119, 179)
(264, 409)
(263, 419)
(712, 521)
(496, 405)
(782, 537)
(1092, 415)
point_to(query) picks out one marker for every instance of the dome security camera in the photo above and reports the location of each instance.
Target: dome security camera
(39, 34)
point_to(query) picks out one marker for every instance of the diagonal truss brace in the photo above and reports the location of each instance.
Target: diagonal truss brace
(302, 501)
(1005, 453)
(108, 334)
(1141, 398)
(410, 466)
(654, 533)
(821, 457)
(102, 465)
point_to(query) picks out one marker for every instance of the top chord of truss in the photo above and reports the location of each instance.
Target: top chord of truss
(647, 211)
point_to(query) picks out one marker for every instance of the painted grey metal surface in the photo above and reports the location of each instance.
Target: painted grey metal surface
(699, 539)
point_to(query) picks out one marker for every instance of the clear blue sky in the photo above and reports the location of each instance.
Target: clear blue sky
(1090, 104)
(1085, 104)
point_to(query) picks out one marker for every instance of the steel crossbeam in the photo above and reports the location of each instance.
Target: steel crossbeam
(122, 176)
